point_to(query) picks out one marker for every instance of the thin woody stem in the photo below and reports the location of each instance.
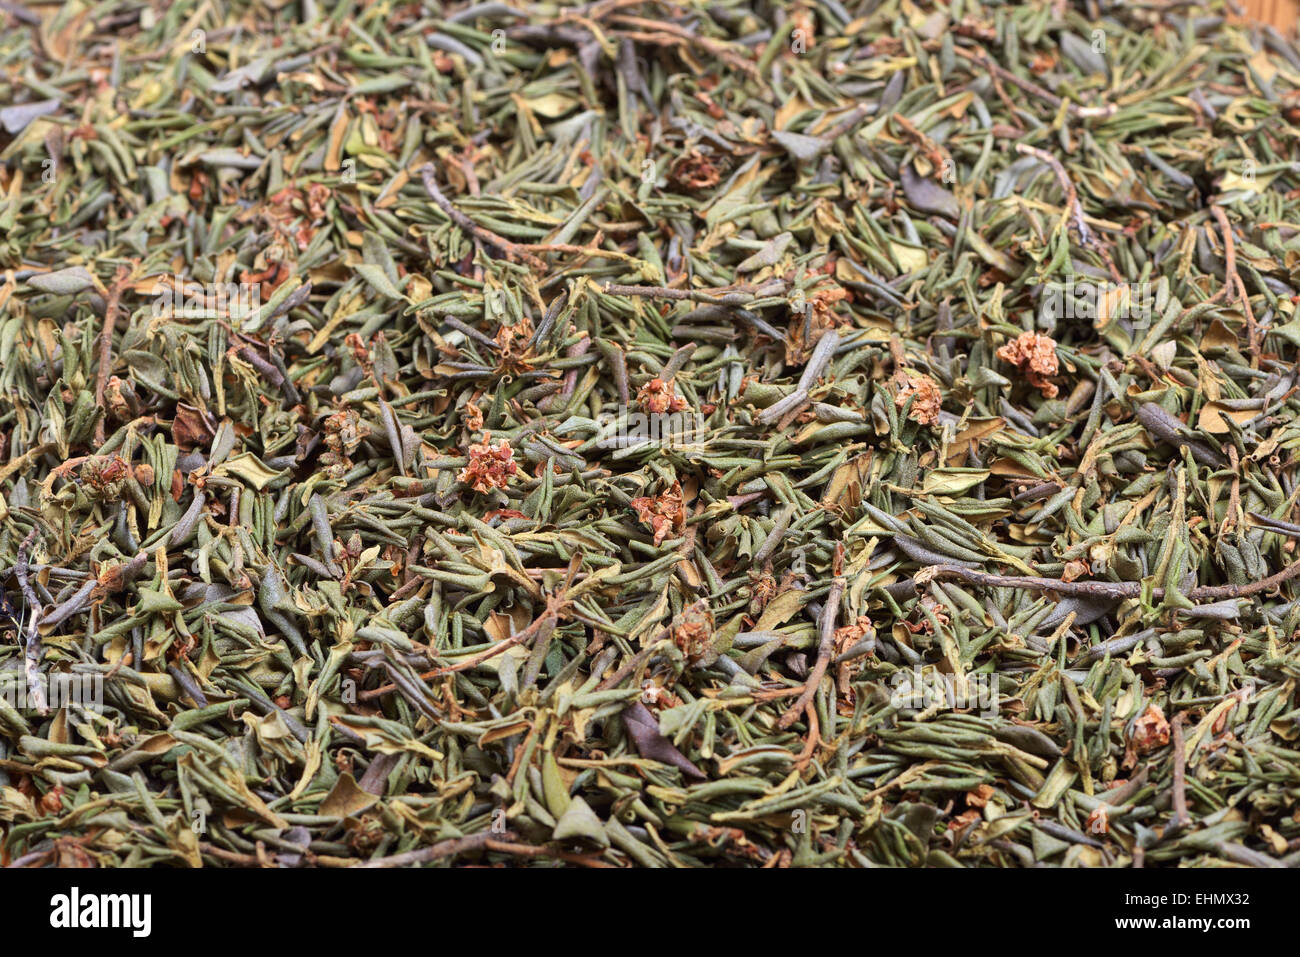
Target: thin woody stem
(1062, 177)
(448, 848)
(32, 649)
(470, 662)
(1181, 817)
(1115, 591)
(105, 350)
(512, 250)
(824, 648)
(727, 296)
(1082, 112)
(1234, 282)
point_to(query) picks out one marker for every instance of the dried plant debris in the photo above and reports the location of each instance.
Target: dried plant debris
(648, 434)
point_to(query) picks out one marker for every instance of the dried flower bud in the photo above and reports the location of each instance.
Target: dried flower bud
(692, 631)
(925, 395)
(1150, 731)
(1035, 355)
(657, 396)
(695, 170)
(104, 475)
(489, 467)
(664, 513)
(344, 432)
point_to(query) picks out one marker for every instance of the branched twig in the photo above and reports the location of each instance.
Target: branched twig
(1082, 112)
(32, 638)
(1062, 177)
(824, 648)
(449, 848)
(1234, 284)
(477, 659)
(737, 296)
(105, 352)
(530, 850)
(512, 250)
(1181, 818)
(1112, 591)
(556, 606)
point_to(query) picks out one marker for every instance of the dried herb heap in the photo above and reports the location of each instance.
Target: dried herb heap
(589, 435)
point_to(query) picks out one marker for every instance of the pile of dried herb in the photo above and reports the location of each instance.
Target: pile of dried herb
(648, 434)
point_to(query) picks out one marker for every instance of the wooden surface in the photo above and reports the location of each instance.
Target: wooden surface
(1281, 13)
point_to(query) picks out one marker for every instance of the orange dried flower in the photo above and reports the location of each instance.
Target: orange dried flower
(102, 476)
(926, 398)
(1074, 569)
(117, 403)
(473, 417)
(1150, 731)
(805, 30)
(284, 210)
(963, 820)
(819, 307)
(360, 354)
(763, 588)
(695, 170)
(52, 800)
(489, 467)
(690, 636)
(845, 638)
(516, 355)
(198, 185)
(657, 397)
(823, 300)
(1035, 355)
(665, 513)
(924, 625)
(691, 632)
(103, 471)
(849, 635)
(1042, 63)
(318, 195)
(344, 431)
(269, 278)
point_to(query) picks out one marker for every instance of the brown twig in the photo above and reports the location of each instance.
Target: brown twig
(231, 857)
(105, 350)
(448, 848)
(1113, 591)
(592, 251)
(664, 33)
(32, 638)
(512, 250)
(1062, 177)
(529, 850)
(1082, 112)
(814, 737)
(824, 648)
(1086, 236)
(499, 648)
(653, 292)
(733, 296)
(1181, 818)
(1234, 282)
(1231, 520)
(556, 605)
